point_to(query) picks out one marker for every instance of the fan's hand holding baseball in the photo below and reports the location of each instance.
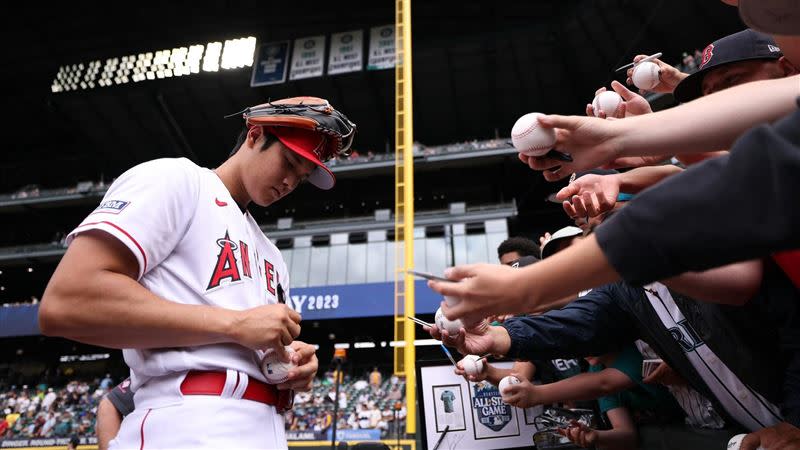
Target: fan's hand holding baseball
(521, 395)
(780, 436)
(669, 77)
(476, 340)
(302, 376)
(590, 141)
(265, 327)
(484, 290)
(634, 104)
(477, 376)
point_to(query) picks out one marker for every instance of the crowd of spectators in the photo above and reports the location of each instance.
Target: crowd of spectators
(43, 411)
(368, 402)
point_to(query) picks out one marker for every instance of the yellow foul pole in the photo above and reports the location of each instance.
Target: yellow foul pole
(404, 355)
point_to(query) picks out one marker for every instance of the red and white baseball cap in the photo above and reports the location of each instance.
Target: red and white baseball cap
(307, 144)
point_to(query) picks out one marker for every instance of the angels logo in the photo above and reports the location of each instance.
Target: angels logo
(707, 54)
(489, 407)
(233, 264)
(227, 266)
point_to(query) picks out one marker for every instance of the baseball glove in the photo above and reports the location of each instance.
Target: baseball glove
(311, 113)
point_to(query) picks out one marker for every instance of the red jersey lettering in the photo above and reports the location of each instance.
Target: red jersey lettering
(226, 267)
(245, 259)
(269, 271)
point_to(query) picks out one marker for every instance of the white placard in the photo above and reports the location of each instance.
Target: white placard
(381, 48)
(476, 417)
(308, 57)
(347, 52)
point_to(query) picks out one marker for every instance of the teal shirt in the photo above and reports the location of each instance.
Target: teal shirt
(448, 397)
(646, 402)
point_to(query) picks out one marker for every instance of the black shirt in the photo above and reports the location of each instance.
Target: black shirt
(735, 207)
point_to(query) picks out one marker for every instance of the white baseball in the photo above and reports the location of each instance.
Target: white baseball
(472, 364)
(530, 138)
(607, 101)
(645, 75)
(506, 382)
(275, 370)
(736, 442)
(452, 326)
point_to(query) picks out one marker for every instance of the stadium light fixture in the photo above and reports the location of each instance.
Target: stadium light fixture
(211, 58)
(175, 62)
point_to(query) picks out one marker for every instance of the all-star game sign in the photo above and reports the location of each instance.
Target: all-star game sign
(492, 418)
(460, 414)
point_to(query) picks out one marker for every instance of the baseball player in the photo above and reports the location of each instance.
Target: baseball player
(173, 269)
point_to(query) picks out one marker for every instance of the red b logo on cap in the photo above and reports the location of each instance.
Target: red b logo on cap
(707, 54)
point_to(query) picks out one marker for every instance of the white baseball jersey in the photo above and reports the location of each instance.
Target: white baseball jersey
(194, 246)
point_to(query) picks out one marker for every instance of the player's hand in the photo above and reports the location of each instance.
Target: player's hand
(591, 142)
(301, 377)
(521, 395)
(589, 195)
(484, 290)
(265, 327)
(669, 77)
(663, 374)
(580, 434)
(780, 436)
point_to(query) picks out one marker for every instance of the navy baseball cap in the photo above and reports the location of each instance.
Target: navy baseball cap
(742, 46)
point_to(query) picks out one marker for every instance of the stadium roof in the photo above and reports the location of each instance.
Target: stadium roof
(478, 65)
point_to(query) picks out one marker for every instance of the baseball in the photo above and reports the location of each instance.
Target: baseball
(529, 138)
(645, 75)
(736, 442)
(472, 364)
(274, 370)
(608, 102)
(506, 382)
(452, 326)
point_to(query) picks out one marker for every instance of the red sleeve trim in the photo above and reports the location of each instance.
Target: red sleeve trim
(141, 429)
(144, 256)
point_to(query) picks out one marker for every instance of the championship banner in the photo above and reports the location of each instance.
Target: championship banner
(271, 64)
(347, 52)
(381, 48)
(308, 57)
